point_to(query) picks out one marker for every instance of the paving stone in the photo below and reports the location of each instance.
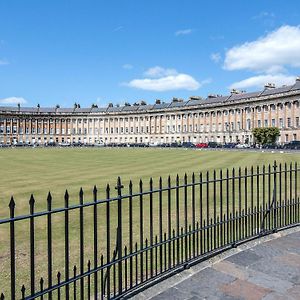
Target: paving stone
(266, 250)
(232, 269)
(294, 292)
(245, 290)
(205, 284)
(295, 235)
(269, 281)
(278, 270)
(268, 271)
(291, 259)
(173, 294)
(277, 296)
(286, 243)
(245, 258)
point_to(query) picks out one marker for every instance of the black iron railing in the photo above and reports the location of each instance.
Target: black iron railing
(124, 243)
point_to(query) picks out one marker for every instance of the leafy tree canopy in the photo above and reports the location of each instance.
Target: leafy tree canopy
(267, 135)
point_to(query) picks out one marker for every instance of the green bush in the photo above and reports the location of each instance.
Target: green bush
(267, 135)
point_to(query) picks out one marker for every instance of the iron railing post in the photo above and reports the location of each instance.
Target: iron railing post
(12, 250)
(275, 198)
(119, 234)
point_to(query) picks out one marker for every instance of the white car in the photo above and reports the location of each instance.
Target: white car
(242, 146)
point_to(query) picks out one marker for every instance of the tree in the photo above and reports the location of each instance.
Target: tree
(267, 135)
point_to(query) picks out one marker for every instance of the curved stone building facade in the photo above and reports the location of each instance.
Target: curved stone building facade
(221, 119)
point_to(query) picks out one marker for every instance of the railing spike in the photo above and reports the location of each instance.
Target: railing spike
(81, 193)
(160, 180)
(119, 180)
(66, 198)
(31, 204)
(49, 201)
(12, 206)
(95, 189)
(12, 203)
(23, 289)
(31, 200)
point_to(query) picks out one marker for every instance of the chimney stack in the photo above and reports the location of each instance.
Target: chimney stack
(211, 96)
(270, 86)
(235, 92)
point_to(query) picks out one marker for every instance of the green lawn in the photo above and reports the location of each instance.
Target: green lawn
(26, 171)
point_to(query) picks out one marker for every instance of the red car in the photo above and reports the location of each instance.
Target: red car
(202, 145)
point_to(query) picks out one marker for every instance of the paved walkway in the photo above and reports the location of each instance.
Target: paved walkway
(263, 269)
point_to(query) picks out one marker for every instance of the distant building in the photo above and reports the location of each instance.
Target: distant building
(218, 118)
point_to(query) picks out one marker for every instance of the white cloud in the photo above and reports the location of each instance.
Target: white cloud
(127, 66)
(183, 32)
(168, 83)
(158, 71)
(160, 79)
(215, 57)
(270, 53)
(13, 100)
(260, 80)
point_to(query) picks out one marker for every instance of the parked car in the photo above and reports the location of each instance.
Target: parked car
(76, 144)
(4, 145)
(214, 145)
(188, 145)
(175, 145)
(202, 145)
(20, 144)
(164, 145)
(242, 146)
(270, 146)
(229, 145)
(292, 145)
(64, 144)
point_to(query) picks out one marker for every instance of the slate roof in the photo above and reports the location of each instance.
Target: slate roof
(82, 110)
(114, 109)
(191, 102)
(177, 104)
(47, 109)
(64, 110)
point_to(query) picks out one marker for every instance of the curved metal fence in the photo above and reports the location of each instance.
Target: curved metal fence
(114, 246)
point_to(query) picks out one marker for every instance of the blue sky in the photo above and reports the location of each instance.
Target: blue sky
(61, 52)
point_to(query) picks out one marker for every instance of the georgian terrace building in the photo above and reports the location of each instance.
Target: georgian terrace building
(218, 118)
